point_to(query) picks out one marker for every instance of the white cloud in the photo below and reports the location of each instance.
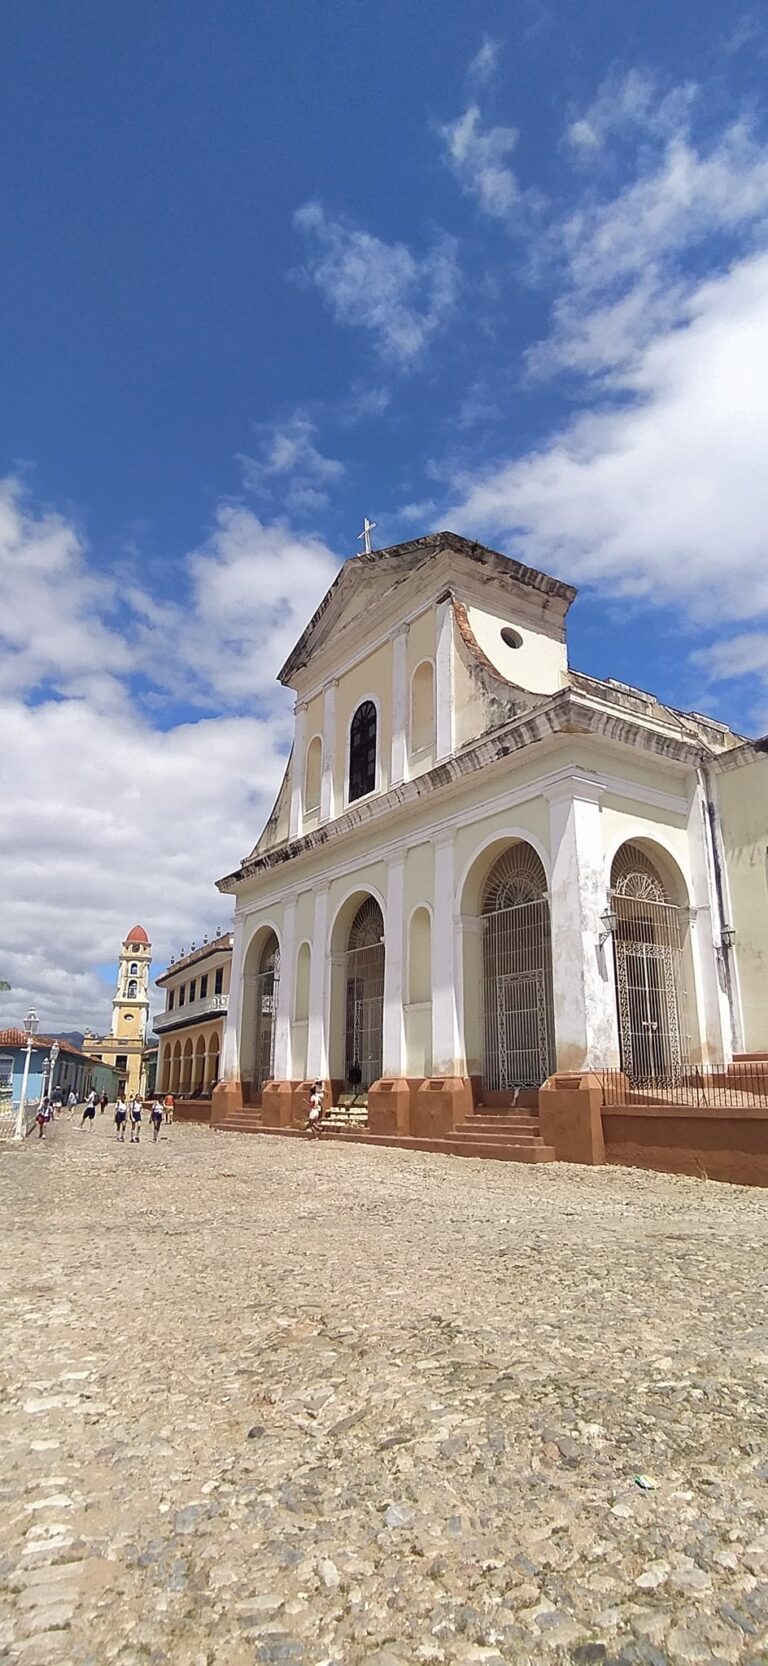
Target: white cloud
(291, 466)
(108, 812)
(624, 105)
(478, 158)
(55, 613)
(103, 821)
(664, 495)
(380, 287)
(483, 66)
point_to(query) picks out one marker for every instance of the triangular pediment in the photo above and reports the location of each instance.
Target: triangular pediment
(366, 582)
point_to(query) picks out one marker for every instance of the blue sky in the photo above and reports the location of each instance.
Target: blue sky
(502, 267)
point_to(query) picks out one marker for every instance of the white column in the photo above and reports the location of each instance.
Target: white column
(710, 993)
(583, 985)
(399, 765)
(394, 960)
(229, 1069)
(327, 796)
(319, 976)
(447, 1051)
(297, 771)
(444, 691)
(282, 1064)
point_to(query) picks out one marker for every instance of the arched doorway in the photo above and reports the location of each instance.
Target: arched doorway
(518, 1028)
(648, 945)
(266, 981)
(364, 985)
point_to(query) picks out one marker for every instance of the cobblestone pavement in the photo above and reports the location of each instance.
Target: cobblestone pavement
(267, 1403)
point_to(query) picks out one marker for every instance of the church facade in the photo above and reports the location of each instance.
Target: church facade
(484, 868)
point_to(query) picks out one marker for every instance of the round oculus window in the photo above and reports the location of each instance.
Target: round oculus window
(512, 637)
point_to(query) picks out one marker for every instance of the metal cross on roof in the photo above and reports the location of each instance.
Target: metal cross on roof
(364, 537)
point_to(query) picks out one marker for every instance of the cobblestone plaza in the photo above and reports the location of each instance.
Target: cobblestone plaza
(267, 1403)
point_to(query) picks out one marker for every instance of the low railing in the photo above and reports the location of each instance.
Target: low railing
(740, 1086)
(211, 1006)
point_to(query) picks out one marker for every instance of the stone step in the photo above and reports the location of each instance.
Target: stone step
(247, 1123)
(500, 1124)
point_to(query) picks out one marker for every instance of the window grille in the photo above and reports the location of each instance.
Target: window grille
(362, 751)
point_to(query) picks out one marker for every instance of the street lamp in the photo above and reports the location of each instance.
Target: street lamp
(30, 1028)
(609, 920)
(50, 1066)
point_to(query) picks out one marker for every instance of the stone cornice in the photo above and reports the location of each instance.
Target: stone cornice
(751, 752)
(565, 713)
(416, 551)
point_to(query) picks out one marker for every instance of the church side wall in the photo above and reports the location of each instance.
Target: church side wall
(743, 804)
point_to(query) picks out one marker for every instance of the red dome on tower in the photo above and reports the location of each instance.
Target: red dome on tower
(136, 934)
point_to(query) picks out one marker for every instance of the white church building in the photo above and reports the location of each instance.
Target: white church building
(485, 869)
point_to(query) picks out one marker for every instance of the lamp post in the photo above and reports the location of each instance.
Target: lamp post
(55, 1050)
(30, 1027)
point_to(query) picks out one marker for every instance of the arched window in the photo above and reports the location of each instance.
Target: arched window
(313, 774)
(133, 989)
(422, 707)
(134, 969)
(362, 751)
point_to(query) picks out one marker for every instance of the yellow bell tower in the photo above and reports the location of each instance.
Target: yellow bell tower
(130, 1007)
(124, 1046)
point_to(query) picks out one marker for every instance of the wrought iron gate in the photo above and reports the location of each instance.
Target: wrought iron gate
(518, 1027)
(648, 947)
(364, 994)
(265, 984)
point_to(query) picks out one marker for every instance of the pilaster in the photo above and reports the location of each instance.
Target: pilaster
(716, 1023)
(399, 762)
(327, 796)
(230, 1051)
(319, 991)
(586, 1027)
(297, 771)
(447, 1048)
(282, 1062)
(444, 682)
(394, 960)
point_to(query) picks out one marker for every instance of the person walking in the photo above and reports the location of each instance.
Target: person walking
(168, 1107)
(43, 1117)
(315, 1117)
(121, 1117)
(71, 1100)
(89, 1111)
(136, 1121)
(156, 1118)
(104, 1101)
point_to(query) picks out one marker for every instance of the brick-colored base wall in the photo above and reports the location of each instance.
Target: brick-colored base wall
(192, 1110)
(721, 1145)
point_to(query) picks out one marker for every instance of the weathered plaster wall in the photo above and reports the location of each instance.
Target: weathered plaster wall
(540, 664)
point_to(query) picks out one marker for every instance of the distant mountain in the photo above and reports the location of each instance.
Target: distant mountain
(74, 1037)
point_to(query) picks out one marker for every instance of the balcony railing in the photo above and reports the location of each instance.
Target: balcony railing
(211, 1006)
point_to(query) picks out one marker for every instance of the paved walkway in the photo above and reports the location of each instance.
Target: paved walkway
(267, 1403)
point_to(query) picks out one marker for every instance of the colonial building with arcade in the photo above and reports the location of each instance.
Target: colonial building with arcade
(486, 871)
